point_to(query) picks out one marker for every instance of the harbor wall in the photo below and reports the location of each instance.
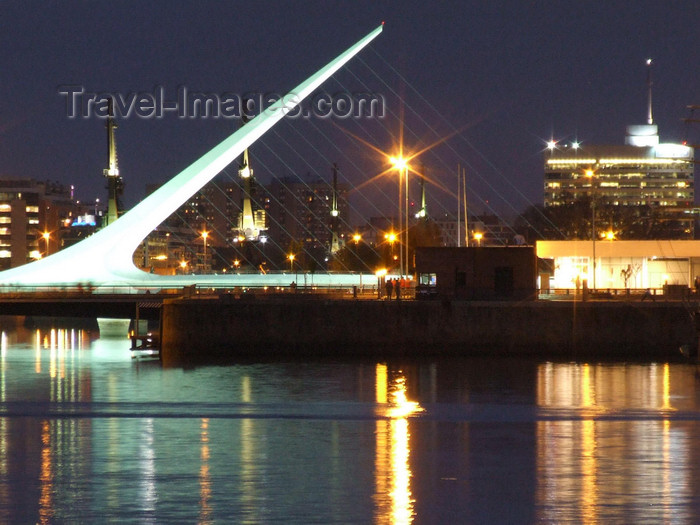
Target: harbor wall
(207, 330)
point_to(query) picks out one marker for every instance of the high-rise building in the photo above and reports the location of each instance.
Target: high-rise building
(33, 216)
(300, 212)
(654, 180)
(640, 174)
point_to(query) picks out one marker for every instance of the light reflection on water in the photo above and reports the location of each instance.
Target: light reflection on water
(87, 434)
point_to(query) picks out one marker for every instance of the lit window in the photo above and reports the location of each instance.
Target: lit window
(32, 209)
(4, 254)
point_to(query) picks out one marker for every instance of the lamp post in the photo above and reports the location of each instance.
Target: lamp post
(591, 175)
(401, 165)
(205, 234)
(391, 237)
(46, 236)
(477, 237)
(291, 262)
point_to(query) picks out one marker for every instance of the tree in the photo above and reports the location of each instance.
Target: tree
(356, 257)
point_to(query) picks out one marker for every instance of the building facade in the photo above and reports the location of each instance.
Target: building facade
(610, 265)
(299, 213)
(655, 179)
(33, 218)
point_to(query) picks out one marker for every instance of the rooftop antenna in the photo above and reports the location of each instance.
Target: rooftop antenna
(650, 119)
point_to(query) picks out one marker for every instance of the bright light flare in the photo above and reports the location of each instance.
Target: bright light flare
(399, 162)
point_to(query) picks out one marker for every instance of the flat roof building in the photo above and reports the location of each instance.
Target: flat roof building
(654, 180)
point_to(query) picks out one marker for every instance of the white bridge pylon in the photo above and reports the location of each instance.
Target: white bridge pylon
(106, 258)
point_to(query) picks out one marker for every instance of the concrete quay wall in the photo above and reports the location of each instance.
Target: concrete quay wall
(201, 330)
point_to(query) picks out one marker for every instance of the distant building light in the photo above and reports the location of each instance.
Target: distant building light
(84, 220)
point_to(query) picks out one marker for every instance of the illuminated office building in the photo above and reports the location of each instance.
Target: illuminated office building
(29, 209)
(642, 174)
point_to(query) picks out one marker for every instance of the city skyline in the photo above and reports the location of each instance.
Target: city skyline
(510, 76)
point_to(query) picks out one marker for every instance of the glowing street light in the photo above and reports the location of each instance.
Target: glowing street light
(291, 261)
(183, 267)
(236, 263)
(357, 238)
(391, 239)
(610, 235)
(46, 236)
(401, 164)
(477, 237)
(205, 234)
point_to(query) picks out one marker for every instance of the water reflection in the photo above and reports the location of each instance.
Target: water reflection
(620, 448)
(393, 471)
(93, 433)
(204, 475)
(46, 475)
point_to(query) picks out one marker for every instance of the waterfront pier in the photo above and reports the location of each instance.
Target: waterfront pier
(253, 327)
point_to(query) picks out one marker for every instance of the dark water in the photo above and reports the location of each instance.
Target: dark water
(88, 435)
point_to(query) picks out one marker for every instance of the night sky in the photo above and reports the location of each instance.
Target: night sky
(508, 75)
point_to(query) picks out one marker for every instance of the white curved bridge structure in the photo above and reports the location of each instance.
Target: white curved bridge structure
(105, 258)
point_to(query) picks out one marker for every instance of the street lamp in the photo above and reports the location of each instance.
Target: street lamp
(591, 175)
(477, 237)
(291, 261)
(46, 236)
(401, 165)
(391, 239)
(236, 263)
(205, 234)
(357, 238)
